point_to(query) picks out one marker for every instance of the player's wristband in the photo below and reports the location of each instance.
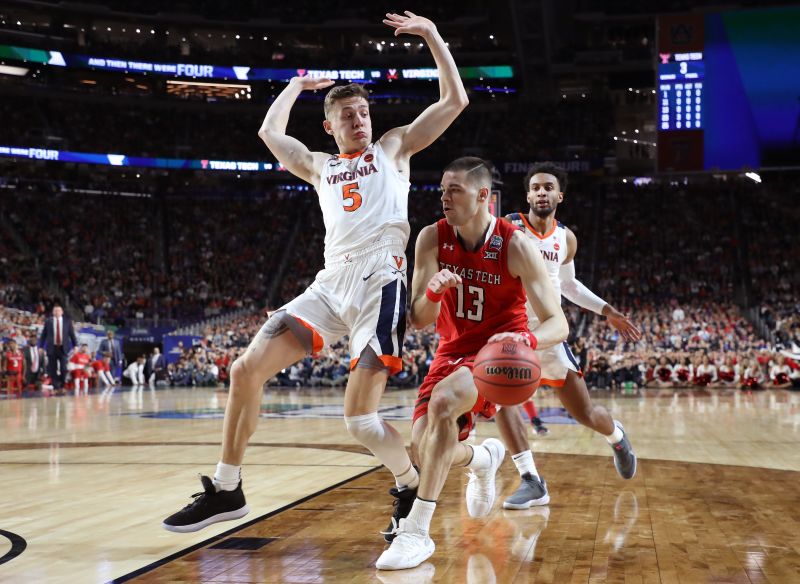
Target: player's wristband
(434, 296)
(531, 338)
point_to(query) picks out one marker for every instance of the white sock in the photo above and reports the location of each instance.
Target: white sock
(481, 458)
(525, 464)
(421, 514)
(227, 476)
(407, 480)
(615, 436)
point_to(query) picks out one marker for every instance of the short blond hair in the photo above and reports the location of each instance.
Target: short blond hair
(338, 92)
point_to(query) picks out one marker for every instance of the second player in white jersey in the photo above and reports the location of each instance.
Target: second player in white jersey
(544, 186)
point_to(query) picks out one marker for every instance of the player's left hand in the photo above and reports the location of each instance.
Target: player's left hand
(514, 337)
(409, 24)
(624, 325)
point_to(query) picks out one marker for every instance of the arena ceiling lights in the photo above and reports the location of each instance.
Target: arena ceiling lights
(208, 90)
(15, 71)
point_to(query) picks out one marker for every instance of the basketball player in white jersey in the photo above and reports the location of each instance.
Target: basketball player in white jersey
(545, 185)
(361, 292)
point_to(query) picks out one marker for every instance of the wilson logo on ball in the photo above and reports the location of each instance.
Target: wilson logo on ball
(523, 373)
(509, 348)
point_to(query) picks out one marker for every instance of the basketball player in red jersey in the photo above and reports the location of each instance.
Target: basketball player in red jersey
(545, 185)
(78, 363)
(361, 292)
(472, 275)
(13, 366)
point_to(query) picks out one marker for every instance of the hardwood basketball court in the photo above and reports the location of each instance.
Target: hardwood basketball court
(89, 479)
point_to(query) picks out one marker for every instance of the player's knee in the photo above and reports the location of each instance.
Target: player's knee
(365, 428)
(442, 406)
(584, 415)
(241, 374)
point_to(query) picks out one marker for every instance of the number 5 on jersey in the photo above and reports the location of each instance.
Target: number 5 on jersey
(349, 192)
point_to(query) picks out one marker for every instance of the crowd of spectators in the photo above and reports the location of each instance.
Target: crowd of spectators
(560, 131)
(695, 347)
(177, 258)
(225, 256)
(18, 325)
(674, 265)
(677, 264)
(679, 337)
(770, 222)
(665, 241)
(208, 362)
(108, 274)
(20, 284)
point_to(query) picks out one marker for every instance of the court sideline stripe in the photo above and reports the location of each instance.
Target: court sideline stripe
(209, 541)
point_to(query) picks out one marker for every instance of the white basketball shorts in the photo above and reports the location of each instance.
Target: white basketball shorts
(364, 296)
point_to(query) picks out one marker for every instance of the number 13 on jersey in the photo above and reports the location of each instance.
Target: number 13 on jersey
(476, 297)
(349, 193)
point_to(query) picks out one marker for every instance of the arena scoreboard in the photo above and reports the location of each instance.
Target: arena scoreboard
(728, 89)
(680, 91)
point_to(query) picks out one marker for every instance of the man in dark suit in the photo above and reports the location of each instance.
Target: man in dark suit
(111, 345)
(34, 362)
(155, 368)
(58, 339)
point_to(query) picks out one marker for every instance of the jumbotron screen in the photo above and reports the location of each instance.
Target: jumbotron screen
(728, 89)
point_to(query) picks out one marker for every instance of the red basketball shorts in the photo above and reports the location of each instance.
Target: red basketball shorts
(441, 367)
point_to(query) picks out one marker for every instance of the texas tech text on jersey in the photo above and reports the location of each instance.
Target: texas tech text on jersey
(473, 274)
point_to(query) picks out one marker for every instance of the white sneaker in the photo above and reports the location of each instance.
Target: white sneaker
(481, 487)
(409, 548)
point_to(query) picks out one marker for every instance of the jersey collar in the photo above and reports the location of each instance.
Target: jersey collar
(533, 231)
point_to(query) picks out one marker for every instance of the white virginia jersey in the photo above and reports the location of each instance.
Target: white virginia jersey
(552, 245)
(364, 199)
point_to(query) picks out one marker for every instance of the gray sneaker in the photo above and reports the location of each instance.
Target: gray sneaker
(624, 458)
(531, 492)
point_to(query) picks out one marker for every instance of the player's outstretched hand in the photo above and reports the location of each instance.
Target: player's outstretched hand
(514, 337)
(409, 24)
(442, 280)
(624, 325)
(311, 83)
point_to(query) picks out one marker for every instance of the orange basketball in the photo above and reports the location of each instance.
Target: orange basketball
(507, 373)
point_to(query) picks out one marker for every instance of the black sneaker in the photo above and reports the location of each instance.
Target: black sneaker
(624, 458)
(531, 492)
(208, 507)
(538, 428)
(403, 501)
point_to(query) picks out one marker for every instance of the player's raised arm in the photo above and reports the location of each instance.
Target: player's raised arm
(436, 118)
(525, 261)
(429, 282)
(290, 152)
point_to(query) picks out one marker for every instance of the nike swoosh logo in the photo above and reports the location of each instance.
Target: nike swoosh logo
(365, 278)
